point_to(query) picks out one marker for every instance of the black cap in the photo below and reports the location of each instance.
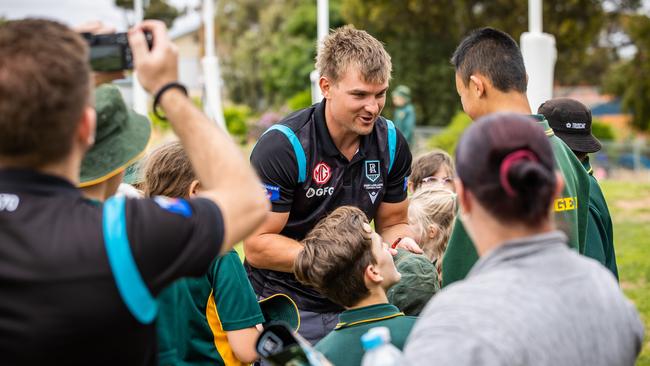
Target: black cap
(571, 121)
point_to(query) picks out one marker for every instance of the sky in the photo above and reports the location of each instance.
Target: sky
(74, 12)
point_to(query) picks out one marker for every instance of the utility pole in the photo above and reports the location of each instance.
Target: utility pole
(539, 52)
(323, 24)
(211, 74)
(139, 94)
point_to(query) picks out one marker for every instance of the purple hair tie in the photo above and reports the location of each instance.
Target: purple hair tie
(507, 162)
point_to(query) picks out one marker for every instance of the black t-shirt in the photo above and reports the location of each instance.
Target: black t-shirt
(59, 303)
(331, 181)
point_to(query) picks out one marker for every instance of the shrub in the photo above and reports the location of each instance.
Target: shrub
(601, 130)
(300, 100)
(448, 138)
(236, 117)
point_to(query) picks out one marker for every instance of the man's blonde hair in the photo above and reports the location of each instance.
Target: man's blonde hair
(348, 47)
(433, 205)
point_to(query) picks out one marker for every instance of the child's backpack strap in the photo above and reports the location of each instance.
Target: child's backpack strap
(131, 286)
(297, 149)
(392, 143)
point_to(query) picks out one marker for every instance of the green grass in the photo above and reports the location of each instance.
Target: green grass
(629, 205)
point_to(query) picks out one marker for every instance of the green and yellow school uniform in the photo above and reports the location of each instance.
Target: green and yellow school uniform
(600, 234)
(196, 313)
(571, 212)
(343, 347)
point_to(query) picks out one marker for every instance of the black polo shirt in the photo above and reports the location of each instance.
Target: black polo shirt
(59, 303)
(331, 181)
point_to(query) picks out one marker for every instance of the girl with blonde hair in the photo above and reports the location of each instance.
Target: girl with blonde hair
(432, 209)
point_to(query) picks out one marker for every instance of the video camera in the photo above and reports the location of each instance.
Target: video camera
(111, 52)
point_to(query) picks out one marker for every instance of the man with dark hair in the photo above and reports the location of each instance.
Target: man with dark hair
(571, 121)
(493, 54)
(78, 279)
(490, 78)
(350, 264)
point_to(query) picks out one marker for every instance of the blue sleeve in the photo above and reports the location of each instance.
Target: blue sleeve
(275, 162)
(398, 176)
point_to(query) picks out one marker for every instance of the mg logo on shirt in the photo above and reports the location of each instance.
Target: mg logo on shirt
(372, 170)
(322, 173)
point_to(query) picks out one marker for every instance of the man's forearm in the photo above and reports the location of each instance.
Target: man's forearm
(272, 251)
(210, 149)
(225, 176)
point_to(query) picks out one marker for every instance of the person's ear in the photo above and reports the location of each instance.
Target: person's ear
(373, 275)
(325, 86)
(477, 86)
(194, 188)
(86, 128)
(432, 231)
(409, 186)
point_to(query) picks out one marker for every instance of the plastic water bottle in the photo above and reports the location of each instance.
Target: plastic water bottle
(379, 350)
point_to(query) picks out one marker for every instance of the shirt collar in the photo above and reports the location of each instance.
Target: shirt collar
(324, 137)
(518, 248)
(27, 180)
(587, 165)
(367, 314)
(541, 120)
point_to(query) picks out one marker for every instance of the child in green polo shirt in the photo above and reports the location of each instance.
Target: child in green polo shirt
(209, 320)
(350, 264)
(432, 209)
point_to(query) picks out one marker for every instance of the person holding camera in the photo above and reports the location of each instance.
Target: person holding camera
(77, 279)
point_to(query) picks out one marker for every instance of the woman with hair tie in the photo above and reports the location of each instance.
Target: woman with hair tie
(529, 300)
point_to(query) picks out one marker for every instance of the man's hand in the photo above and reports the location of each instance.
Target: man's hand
(158, 66)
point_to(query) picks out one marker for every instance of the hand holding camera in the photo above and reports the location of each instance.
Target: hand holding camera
(157, 66)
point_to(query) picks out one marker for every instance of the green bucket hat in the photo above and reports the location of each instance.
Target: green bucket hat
(120, 138)
(133, 173)
(402, 91)
(282, 308)
(418, 284)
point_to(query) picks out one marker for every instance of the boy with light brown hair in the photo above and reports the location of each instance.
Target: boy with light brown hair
(350, 264)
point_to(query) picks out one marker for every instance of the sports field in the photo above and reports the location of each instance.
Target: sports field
(629, 204)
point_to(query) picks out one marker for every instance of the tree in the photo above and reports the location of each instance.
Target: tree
(157, 9)
(631, 79)
(421, 36)
(267, 48)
